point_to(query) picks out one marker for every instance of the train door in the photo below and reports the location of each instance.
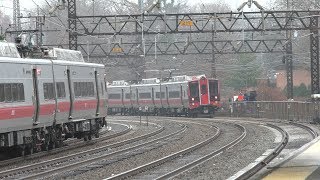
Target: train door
(194, 92)
(62, 93)
(71, 99)
(161, 95)
(137, 95)
(214, 90)
(36, 101)
(122, 97)
(131, 96)
(103, 105)
(204, 97)
(167, 95)
(181, 95)
(97, 91)
(152, 96)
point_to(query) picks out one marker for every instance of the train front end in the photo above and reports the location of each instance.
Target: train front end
(204, 96)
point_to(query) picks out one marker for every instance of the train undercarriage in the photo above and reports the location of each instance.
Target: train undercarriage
(21, 143)
(202, 111)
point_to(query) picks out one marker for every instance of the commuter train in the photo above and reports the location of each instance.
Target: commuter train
(45, 101)
(182, 95)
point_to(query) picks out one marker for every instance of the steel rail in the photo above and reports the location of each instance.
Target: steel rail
(313, 133)
(24, 169)
(165, 159)
(270, 157)
(206, 157)
(99, 158)
(65, 148)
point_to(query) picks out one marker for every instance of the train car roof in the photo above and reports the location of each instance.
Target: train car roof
(46, 61)
(61, 62)
(24, 61)
(9, 53)
(176, 82)
(118, 86)
(141, 85)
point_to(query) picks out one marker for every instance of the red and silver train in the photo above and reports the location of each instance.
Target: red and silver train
(45, 101)
(182, 95)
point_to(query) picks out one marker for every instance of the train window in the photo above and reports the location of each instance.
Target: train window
(213, 87)
(174, 94)
(83, 89)
(11, 92)
(194, 90)
(203, 89)
(77, 90)
(61, 90)
(14, 91)
(158, 95)
(20, 92)
(145, 95)
(90, 87)
(7, 92)
(2, 95)
(48, 90)
(114, 96)
(128, 96)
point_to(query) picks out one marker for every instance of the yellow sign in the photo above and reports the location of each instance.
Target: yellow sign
(186, 23)
(117, 50)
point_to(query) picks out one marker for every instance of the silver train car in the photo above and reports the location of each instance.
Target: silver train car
(45, 101)
(174, 97)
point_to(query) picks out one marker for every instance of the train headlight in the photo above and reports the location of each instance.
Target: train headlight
(192, 104)
(216, 97)
(192, 99)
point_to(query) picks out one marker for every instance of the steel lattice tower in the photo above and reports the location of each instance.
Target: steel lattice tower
(16, 14)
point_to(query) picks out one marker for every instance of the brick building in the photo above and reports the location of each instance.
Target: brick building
(299, 76)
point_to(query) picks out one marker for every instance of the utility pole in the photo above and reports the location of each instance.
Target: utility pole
(289, 56)
(16, 14)
(213, 63)
(72, 24)
(39, 24)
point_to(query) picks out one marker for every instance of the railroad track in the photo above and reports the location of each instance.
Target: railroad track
(47, 168)
(158, 173)
(181, 163)
(273, 154)
(72, 144)
(313, 133)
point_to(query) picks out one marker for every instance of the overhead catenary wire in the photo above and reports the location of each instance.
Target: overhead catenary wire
(111, 37)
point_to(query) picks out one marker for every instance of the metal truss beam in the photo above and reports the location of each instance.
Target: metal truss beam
(193, 23)
(314, 48)
(134, 49)
(72, 24)
(16, 14)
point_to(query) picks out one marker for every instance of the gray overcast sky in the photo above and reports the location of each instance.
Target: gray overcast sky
(28, 4)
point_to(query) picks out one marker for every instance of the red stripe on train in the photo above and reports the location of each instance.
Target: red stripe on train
(26, 111)
(143, 102)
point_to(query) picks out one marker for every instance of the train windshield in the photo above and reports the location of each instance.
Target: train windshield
(213, 88)
(194, 89)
